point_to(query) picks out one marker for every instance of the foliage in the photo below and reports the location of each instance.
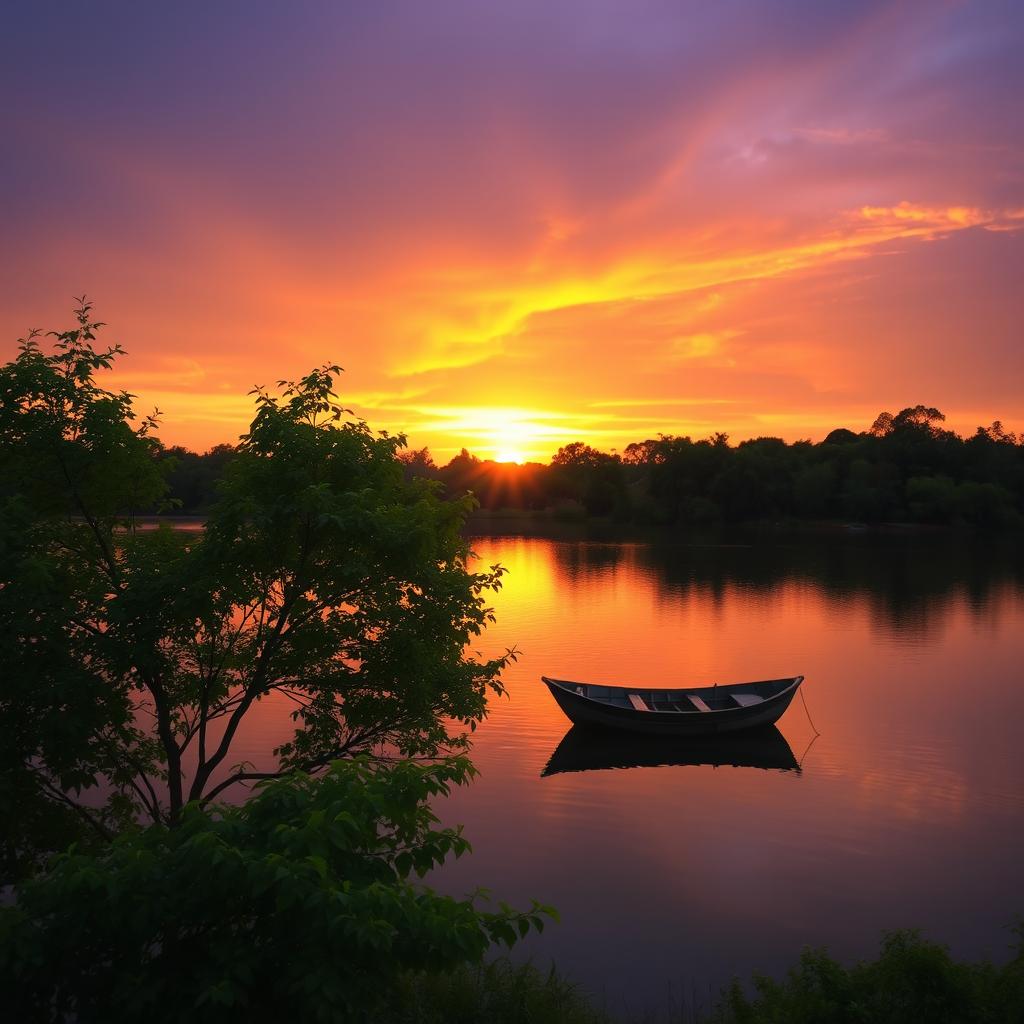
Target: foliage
(579, 472)
(912, 980)
(71, 465)
(323, 577)
(300, 904)
(85, 456)
(192, 479)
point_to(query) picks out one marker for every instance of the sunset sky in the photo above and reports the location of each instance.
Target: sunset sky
(526, 223)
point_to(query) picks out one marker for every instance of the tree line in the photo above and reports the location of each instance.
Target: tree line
(905, 468)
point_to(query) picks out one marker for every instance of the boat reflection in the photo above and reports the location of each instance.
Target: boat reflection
(585, 750)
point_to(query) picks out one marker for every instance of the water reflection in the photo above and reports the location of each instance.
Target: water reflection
(910, 810)
(909, 581)
(585, 750)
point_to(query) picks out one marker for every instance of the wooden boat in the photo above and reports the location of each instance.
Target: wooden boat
(585, 750)
(681, 711)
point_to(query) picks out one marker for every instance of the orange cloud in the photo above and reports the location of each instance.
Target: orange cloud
(935, 219)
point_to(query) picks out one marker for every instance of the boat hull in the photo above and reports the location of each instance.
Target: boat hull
(583, 710)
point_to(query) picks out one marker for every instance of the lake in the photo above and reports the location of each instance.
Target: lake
(671, 878)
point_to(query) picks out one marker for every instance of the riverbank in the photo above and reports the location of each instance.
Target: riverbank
(911, 979)
(551, 525)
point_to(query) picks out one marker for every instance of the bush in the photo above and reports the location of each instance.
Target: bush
(298, 905)
(911, 981)
(495, 993)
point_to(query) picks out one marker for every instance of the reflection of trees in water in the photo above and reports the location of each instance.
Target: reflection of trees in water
(589, 561)
(908, 583)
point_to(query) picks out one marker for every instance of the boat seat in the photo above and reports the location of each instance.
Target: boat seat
(698, 702)
(638, 702)
(746, 700)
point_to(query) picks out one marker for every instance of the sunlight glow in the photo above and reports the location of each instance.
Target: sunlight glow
(512, 438)
(504, 434)
(517, 457)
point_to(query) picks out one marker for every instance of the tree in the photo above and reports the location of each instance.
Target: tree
(814, 488)
(592, 477)
(643, 453)
(300, 904)
(71, 462)
(418, 462)
(133, 657)
(997, 433)
(931, 499)
(919, 417)
(578, 454)
(843, 436)
(883, 425)
(192, 478)
(911, 979)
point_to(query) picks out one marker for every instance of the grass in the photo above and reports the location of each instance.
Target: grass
(495, 993)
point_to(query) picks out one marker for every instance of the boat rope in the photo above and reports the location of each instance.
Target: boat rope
(808, 714)
(807, 750)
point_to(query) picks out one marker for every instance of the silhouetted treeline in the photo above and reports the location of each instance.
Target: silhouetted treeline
(192, 478)
(905, 468)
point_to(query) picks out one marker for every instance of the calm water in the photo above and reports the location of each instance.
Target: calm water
(907, 810)
(672, 877)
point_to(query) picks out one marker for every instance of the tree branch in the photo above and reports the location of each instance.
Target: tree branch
(57, 793)
(152, 805)
(243, 777)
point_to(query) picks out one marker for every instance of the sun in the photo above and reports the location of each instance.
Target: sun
(511, 438)
(508, 434)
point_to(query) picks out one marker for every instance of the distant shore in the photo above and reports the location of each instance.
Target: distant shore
(549, 524)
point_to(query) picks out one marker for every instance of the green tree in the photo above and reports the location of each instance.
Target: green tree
(931, 499)
(73, 463)
(133, 657)
(919, 417)
(592, 477)
(300, 904)
(192, 479)
(813, 489)
(578, 454)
